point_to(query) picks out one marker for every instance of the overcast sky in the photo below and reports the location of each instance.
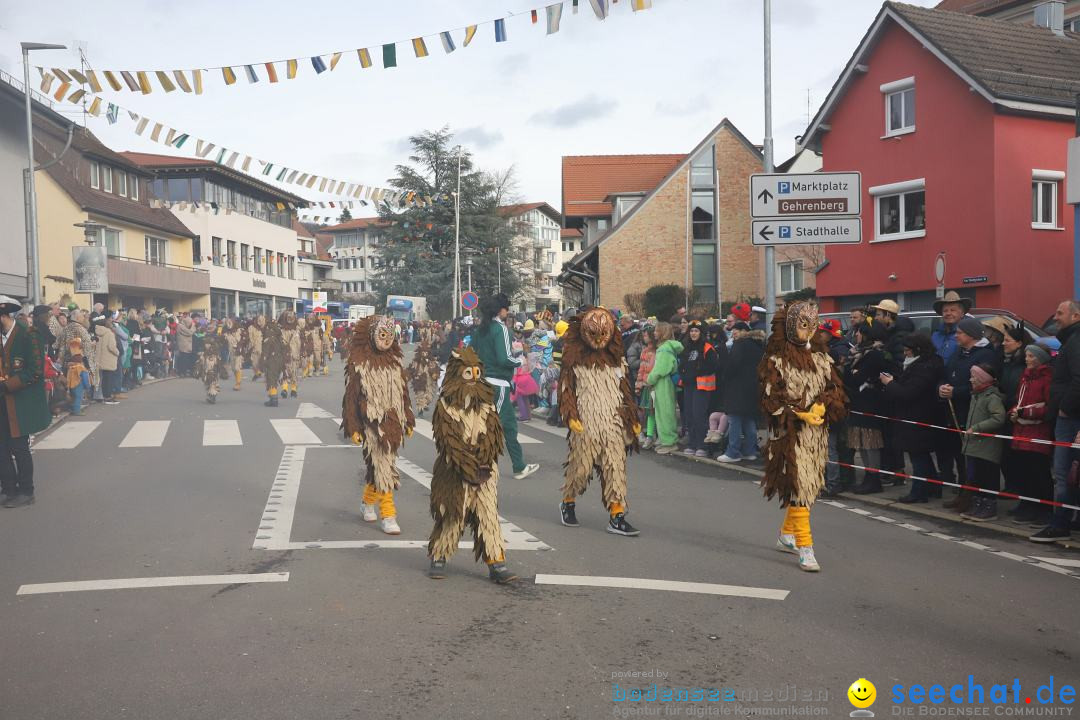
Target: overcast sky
(646, 82)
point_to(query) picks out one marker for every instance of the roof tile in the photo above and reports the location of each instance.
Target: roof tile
(588, 179)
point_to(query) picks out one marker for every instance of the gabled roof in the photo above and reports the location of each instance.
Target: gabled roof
(976, 7)
(355, 224)
(172, 163)
(724, 124)
(301, 230)
(510, 211)
(570, 233)
(1013, 65)
(588, 179)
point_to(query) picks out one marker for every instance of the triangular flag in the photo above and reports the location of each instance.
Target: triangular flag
(419, 47)
(91, 78)
(292, 176)
(156, 132)
(229, 75)
(181, 140)
(166, 83)
(311, 180)
(196, 75)
(181, 80)
(447, 42)
(271, 72)
(76, 96)
(575, 6)
(300, 180)
(95, 107)
(470, 32)
(322, 185)
(246, 164)
(600, 7)
(554, 17)
(170, 136)
(206, 150)
(46, 82)
(500, 30)
(290, 71)
(281, 175)
(232, 159)
(62, 90)
(251, 76)
(112, 113)
(144, 82)
(266, 167)
(334, 60)
(318, 64)
(389, 55)
(365, 57)
(113, 82)
(79, 77)
(63, 76)
(132, 83)
(636, 5)
(533, 16)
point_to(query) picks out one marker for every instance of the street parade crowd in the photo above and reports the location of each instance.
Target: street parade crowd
(970, 404)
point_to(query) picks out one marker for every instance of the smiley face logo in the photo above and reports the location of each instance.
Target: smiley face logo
(862, 693)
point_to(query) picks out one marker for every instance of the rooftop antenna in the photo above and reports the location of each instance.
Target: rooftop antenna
(81, 46)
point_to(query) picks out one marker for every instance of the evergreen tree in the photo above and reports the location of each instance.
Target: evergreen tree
(345, 216)
(417, 244)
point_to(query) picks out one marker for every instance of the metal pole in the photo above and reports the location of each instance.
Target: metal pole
(770, 251)
(31, 194)
(498, 267)
(457, 237)
(1076, 223)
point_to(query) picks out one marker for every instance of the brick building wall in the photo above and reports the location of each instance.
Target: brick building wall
(742, 269)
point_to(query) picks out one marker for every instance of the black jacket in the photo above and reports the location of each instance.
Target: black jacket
(697, 360)
(913, 396)
(863, 384)
(1065, 384)
(958, 374)
(742, 395)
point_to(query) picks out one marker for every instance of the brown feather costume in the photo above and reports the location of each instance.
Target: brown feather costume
(465, 482)
(291, 334)
(423, 374)
(594, 389)
(376, 404)
(213, 368)
(255, 331)
(792, 378)
(273, 355)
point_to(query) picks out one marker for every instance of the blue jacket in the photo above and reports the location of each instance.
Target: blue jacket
(944, 339)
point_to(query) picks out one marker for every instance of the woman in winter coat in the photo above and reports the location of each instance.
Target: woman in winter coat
(913, 396)
(1031, 461)
(185, 334)
(108, 359)
(1012, 369)
(646, 361)
(742, 395)
(986, 414)
(697, 368)
(662, 382)
(866, 394)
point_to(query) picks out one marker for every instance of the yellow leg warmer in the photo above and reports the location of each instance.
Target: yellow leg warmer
(797, 523)
(370, 495)
(615, 509)
(386, 504)
(284, 388)
(294, 386)
(568, 499)
(273, 392)
(492, 561)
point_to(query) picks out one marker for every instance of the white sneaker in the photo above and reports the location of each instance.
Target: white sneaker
(369, 512)
(527, 471)
(786, 543)
(389, 526)
(807, 561)
(750, 458)
(725, 458)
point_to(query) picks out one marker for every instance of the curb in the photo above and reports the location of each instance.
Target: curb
(916, 509)
(59, 419)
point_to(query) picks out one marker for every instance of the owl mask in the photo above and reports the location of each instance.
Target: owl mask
(382, 334)
(802, 322)
(597, 328)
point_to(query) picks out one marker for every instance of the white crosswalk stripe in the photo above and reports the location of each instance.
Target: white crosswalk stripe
(221, 432)
(423, 427)
(68, 435)
(146, 433)
(294, 432)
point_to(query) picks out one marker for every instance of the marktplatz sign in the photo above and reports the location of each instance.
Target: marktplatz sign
(806, 195)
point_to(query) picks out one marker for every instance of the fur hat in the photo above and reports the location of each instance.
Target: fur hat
(741, 311)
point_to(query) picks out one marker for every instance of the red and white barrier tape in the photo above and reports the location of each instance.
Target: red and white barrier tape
(1036, 441)
(997, 493)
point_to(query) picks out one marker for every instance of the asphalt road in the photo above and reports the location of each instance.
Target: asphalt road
(361, 632)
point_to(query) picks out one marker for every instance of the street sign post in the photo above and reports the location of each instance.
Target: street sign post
(939, 275)
(824, 194)
(807, 231)
(318, 301)
(469, 300)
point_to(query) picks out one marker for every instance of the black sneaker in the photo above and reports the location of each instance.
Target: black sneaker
(500, 574)
(1049, 534)
(618, 526)
(292, 393)
(272, 402)
(568, 516)
(437, 571)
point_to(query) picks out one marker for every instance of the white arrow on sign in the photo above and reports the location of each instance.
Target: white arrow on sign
(822, 194)
(807, 231)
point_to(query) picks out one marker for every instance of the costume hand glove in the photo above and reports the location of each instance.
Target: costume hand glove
(575, 425)
(637, 428)
(408, 431)
(814, 416)
(356, 438)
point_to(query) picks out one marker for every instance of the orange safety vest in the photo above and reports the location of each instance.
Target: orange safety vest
(706, 383)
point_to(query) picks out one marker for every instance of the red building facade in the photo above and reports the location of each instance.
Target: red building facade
(969, 163)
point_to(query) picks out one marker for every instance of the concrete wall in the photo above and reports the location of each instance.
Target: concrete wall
(13, 271)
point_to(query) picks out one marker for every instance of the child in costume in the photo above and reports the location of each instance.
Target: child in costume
(255, 336)
(236, 337)
(597, 404)
(292, 335)
(273, 356)
(801, 393)
(213, 366)
(465, 482)
(376, 412)
(423, 374)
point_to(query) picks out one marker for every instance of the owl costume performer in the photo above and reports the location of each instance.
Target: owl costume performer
(423, 374)
(801, 393)
(307, 348)
(273, 356)
(255, 337)
(236, 336)
(465, 483)
(292, 334)
(376, 412)
(212, 365)
(597, 404)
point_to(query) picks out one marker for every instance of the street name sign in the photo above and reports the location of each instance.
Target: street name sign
(823, 194)
(807, 231)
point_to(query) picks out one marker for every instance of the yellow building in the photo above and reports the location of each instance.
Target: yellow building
(150, 251)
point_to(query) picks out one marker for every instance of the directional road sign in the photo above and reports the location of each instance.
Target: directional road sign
(807, 231)
(823, 194)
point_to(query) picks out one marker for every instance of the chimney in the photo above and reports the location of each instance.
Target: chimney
(1051, 14)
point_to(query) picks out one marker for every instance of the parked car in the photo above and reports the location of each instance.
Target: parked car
(928, 320)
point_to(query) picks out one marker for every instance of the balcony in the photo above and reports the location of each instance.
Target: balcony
(541, 243)
(543, 268)
(136, 273)
(327, 285)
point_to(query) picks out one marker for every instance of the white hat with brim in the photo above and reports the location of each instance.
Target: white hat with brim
(889, 306)
(758, 309)
(9, 305)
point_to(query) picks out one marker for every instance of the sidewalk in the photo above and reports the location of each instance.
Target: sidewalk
(88, 404)
(888, 498)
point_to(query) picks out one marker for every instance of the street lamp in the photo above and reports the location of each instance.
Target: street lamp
(468, 265)
(90, 231)
(31, 195)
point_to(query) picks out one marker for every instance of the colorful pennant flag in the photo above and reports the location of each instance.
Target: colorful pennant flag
(132, 84)
(636, 5)
(447, 42)
(365, 57)
(46, 81)
(389, 55)
(251, 76)
(600, 7)
(318, 64)
(62, 76)
(144, 82)
(181, 80)
(196, 75)
(334, 60)
(95, 107)
(112, 114)
(156, 132)
(575, 7)
(229, 75)
(166, 83)
(113, 82)
(419, 47)
(76, 96)
(291, 69)
(271, 72)
(78, 76)
(554, 17)
(500, 30)
(62, 91)
(470, 32)
(92, 80)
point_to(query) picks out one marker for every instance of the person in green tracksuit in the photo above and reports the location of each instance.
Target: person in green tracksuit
(491, 341)
(662, 381)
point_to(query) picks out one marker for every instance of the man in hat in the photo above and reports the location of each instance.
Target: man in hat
(952, 308)
(24, 408)
(757, 318)
(491, 341)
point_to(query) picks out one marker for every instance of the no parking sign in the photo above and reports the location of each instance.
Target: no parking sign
(469, 300)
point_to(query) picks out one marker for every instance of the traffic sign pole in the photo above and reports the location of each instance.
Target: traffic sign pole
(770, 253)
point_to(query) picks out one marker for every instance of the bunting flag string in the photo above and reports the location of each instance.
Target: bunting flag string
(191, 82)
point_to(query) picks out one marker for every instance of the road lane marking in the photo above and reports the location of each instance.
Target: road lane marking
(221, 432)
(311, 410)
(423, 427)
(146, 433)
(1062, 562)
(669, 585)
(544, 427)
(151, 582)
(68, 435)
(294, 432)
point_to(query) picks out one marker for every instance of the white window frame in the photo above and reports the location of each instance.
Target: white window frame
(121, 184)
(95, 175)
(106, 177)
(1052, 178)
(888, 90)
(796, 276)
(133, 187)
(163, 259)
(119, 241)
(880, 192)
